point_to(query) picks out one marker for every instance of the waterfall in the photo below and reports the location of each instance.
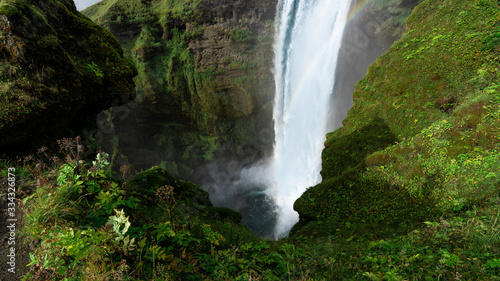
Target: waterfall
(308, 35)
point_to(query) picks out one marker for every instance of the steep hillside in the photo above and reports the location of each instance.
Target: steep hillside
(57, 70)
(204, 76)
(422, 136)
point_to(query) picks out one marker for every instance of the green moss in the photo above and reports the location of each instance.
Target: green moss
(9, 11)
(49, 52)
(168, 71)
(170, 167)
(241, 35)
(199, 147)
(347, 195)
(347, 151)
(180, 8)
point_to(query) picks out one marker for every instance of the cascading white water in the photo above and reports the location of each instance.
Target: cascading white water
(307, 43)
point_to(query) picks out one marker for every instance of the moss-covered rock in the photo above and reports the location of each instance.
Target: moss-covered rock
(57, 69)
(225, 214)
(146, 184)
(205, 59)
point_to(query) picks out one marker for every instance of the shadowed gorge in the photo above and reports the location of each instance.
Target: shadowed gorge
(205, 70)
(205, 90)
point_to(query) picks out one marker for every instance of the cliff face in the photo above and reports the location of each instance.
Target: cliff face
(56, 69)
(204, 76)
(422, 135)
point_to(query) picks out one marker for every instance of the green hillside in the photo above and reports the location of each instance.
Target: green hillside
(424, 125)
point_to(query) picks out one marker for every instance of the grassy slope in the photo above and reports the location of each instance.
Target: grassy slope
(434, 97)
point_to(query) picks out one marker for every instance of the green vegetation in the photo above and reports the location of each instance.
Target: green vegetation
(346, 196)
(436, 93)
(241, 35)
(87, 225)
(398, 10)
(139, 12)
(90, 226)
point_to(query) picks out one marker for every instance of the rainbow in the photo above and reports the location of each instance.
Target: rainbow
(355, 9)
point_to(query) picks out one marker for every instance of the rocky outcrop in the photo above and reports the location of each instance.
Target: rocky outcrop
(57, 68)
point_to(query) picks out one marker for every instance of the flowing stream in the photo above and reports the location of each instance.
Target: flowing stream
(307, 41)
